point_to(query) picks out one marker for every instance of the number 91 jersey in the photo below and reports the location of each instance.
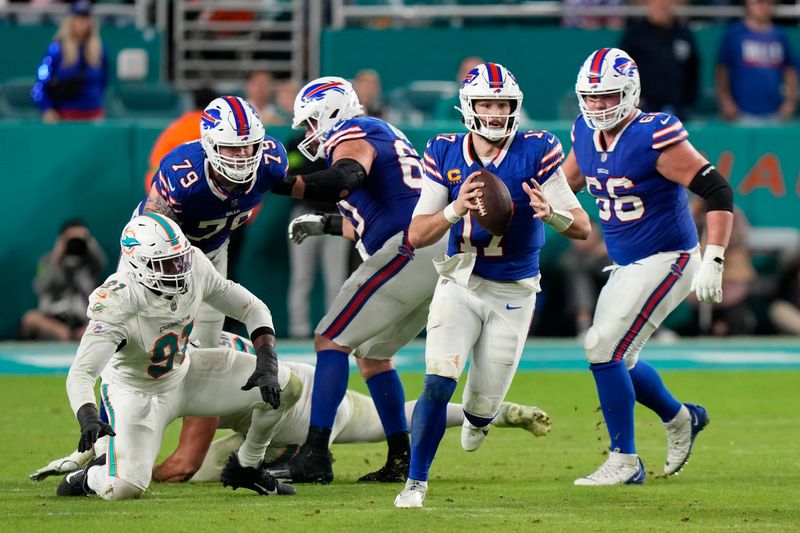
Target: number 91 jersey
(205, 211)
(383, 206)
(642, 213)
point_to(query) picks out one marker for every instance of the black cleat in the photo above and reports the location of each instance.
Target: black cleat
(309, 465)
(396, 468)
(282, 461)
(75, 483)
(257, 479)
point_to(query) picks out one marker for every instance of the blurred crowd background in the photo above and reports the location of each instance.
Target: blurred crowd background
(92, 95)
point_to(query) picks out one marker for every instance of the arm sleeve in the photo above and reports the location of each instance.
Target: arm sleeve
(558, 192)
(44, 73)
(94, 352)
(231, 298)
(433, 198)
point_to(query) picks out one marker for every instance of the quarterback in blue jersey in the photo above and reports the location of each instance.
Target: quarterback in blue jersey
(375, 175)
(638, 167)
(486, 294)
(211, 186)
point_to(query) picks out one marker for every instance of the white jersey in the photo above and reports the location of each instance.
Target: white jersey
(140, 339)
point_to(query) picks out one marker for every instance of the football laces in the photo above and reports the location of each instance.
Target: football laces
(481, 206)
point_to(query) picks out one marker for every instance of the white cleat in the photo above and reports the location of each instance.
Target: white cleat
(412, 495)
(527, 417)
(472, 436)
(681, 432)
(619, 469)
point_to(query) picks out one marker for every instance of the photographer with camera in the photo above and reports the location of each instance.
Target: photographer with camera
(73, 74)
(65, 279)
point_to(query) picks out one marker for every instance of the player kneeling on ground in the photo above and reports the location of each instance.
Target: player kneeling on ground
(140, 322)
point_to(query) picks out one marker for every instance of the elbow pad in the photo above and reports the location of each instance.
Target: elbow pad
(346, 175)
(709, 184)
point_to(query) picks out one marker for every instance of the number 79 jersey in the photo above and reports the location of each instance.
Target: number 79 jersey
(382, 207)
(206, 212)
(641, 212)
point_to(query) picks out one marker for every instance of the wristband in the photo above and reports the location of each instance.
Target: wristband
(559, 220)
(450, 213)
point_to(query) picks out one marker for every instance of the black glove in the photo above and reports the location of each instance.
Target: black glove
(92, 428)
(265, 376)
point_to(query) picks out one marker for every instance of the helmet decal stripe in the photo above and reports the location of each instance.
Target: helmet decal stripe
(597, 65)
(173, 238)
(242, 125)
(495, 76)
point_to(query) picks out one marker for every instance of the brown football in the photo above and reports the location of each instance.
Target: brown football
(495, 207)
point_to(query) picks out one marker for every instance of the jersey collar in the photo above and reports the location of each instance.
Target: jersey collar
(471, 157)
(597, 133)
(220, 192)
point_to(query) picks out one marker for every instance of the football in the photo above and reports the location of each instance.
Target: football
(495, 207)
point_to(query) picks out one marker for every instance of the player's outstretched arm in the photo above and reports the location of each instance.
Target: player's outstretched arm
(681, 163)
(196, 436)
(431, 221)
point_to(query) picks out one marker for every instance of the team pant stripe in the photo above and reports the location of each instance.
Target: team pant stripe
(650, 304)
(362, 295)
(112, 452)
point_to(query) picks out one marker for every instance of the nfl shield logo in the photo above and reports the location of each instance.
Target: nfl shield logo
(603, 157)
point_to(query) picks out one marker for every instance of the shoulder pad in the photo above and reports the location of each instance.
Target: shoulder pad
(112, 301)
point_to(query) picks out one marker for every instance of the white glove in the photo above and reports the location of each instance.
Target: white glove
(65, 465)
(305, 226)
(707, 283)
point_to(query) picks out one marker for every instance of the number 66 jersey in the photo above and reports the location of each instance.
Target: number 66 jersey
(642, 213)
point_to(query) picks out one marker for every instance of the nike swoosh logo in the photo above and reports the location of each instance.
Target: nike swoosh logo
(695, 420)
(665, 121)
(513, 307)
(170, 187)
(272, 492)
(551, 140)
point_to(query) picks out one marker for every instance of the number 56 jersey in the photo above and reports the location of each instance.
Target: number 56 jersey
(642, 213)
(205, 211)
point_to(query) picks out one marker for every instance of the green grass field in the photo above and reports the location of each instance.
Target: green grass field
(744, 473)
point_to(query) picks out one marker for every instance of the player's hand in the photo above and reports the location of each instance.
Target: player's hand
(306, 226)
(465, 201)
(58, 467)
(265, 376)
(540, 205)
(92, 428)
(707, 283)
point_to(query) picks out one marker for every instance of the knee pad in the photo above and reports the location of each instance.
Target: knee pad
(631, 359)
(597, 350)
(120, 490)
(446, 367)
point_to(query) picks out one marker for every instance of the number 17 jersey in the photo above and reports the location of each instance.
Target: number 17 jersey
(641, 212)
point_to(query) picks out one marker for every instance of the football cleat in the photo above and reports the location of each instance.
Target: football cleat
(681, 432)
(472, 436)
(282, 460)
(619, 469)
(76, 483)
(394, 471)
(309, 465)
(256, 479)
(527, 417)
(412, 495)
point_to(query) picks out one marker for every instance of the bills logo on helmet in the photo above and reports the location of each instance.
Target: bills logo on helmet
(318, 91)
(470, 77)
(210, 118)
(626, 67)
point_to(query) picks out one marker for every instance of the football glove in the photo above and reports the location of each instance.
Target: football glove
(64, 465)
(92, 428)
(265, 376)
(316, 224)
(707, 283)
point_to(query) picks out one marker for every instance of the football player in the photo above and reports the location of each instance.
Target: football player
(638, 166)
(485, 297)
(375, 175)
(138, 339)
(197, 458)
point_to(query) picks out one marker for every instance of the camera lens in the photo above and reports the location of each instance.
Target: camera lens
(75, 246)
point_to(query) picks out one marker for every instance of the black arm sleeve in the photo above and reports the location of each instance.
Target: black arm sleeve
(346, 175)
(709, 184)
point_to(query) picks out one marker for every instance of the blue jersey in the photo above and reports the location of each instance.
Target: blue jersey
(450, 159)
(642, 213)
(383, 206)
(205, 211)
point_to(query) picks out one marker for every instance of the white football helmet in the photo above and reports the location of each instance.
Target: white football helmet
(490, 81)
(230, 121)
(157, 252)
(320, 106)
(608, 71)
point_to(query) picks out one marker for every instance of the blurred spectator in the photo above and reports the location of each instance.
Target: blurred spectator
(582, 267)
(284, 101)
(328, 252)
(65, 279)
(367, 85)
(575, 16)
(184, 129)
(785, 310)
(756, 79)
(73, 74)
(665, 51)
(732, 316)
(258, 90)
(444, 108)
